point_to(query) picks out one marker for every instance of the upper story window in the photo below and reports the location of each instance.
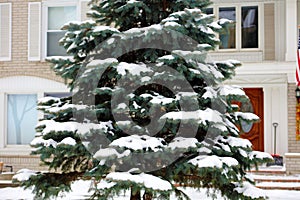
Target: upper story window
(228, 38)
(57, 17)
(243, 33)
(56, 13)
(249, 26)
(45, 20)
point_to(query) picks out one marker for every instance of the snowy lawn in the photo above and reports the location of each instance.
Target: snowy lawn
(80, 190)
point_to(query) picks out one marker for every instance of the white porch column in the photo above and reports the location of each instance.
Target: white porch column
(291, 30)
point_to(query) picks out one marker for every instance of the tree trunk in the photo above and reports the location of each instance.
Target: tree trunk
(147, 196)
(135, 196)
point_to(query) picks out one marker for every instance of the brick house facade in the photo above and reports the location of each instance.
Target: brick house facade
(269, 63)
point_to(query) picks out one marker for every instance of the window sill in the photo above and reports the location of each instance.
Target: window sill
(23, 150)
(243, 56)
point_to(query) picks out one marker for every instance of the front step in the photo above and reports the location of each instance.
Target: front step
(8, 183)
(278, 185)
(271, 170)
(274, 178)
(6, 180)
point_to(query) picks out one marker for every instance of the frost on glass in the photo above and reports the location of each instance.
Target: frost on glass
(21, 118)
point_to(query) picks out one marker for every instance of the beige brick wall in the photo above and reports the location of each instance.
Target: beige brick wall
(19, 65)
(293, 145)
(292, 162)
(21, 162)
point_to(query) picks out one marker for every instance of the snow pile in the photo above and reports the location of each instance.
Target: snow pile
(184, 143)
(213, 161)
(48, 99)
(136, 142)
(134, 69)
(210, 93)
(246, 116)
(235, 142)
(81, 128)
(66, 107)
(250, 190)
(97, 62)
(97, 29)
(68, 141)
(157, 98)
(147, 180)
(110, 153)
(201, 115)
(24, 175)
(226, 90)
(103, 184)
(46, 143)
(260, 155)
(51, 142)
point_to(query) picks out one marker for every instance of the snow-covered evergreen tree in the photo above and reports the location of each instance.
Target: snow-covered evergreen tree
(149, 111)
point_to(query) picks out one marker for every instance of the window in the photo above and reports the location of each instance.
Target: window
(229, 36)
(243, 33)
(249, 27)
(57, 16)
(22, 118)
(18, 110)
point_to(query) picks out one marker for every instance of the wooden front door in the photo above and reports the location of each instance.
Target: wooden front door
(254, 132)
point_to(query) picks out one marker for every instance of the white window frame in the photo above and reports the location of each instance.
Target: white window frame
(238, 7)
(6, 113)
(29, 85)
(45, 6)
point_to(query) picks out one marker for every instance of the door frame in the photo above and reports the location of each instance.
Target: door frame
(275, 88)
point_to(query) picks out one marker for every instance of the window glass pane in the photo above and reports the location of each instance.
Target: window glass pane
(58, 94)
(53, 47)
(22, 118)
(209, 11)
(58, 16)
(250, 27)
(227, 38)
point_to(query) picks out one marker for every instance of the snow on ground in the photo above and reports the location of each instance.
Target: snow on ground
(80, 191)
